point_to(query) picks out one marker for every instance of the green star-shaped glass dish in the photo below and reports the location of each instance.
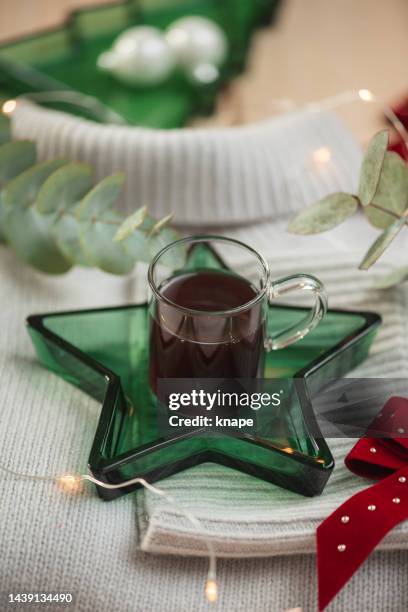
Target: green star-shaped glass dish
(105, 353)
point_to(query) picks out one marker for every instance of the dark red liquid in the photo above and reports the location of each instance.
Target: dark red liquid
(206, 346)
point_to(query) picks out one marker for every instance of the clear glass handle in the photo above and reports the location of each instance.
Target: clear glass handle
(297, 282)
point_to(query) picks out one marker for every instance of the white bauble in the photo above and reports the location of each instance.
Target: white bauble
(197, 41)
(139, 56)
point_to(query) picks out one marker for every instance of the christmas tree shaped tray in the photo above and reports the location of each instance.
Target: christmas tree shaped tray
(105, 353)
(65, 58)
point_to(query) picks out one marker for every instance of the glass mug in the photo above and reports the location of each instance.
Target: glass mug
(211, 323)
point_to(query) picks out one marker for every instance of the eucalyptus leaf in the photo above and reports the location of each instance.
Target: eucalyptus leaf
(5, 133)
(324, 215)
(66, 233)
(29, 234)
(2, 219)
(159, 225)
(382, 242)
(99, 225)
(131, 224)
(175, 257)
(393, 278)
(15, 157)
(143, 246)
(65, 188)
(60, 196)
(22, 191)
(392, 192)
(102, 197)
(96, 237)
(371, 167)
(137, 246)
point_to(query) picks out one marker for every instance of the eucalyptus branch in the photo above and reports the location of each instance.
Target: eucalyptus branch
(54, 217)
(383, 178)
(62, 212)
(387, 211)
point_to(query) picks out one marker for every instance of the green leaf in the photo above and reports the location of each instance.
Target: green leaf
(15, 157)
(137, 246)
(160, 224)
(96, 237)
(324, 215)
(22, 191)
(66, 233)
(19, 195)
(143, 246)
(174, 258)
(392, 192)
(26, 232)
(372, 166)
(65, 188)
(5, 133)
(393, 278)
(102, 197)
(131, 224)
(29, 234)
(99, 225)
(2, 218)
(60, 196)
(382, 242)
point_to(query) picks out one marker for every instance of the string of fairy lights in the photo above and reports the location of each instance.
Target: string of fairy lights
(73, 483)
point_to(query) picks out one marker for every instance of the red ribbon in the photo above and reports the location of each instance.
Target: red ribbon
(347, 537)
(398, 145)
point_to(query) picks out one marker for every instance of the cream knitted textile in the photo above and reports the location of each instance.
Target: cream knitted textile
(213, 176)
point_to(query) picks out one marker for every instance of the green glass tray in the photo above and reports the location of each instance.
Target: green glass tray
(105, 353)
(65, 58)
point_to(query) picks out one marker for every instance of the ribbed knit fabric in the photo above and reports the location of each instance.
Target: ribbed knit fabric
(206, 176)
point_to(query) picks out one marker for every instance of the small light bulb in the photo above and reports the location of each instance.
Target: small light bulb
(211, 590)
(70, 483)
(9, 107)
(322, 155)
(288, 449)
(365, 95)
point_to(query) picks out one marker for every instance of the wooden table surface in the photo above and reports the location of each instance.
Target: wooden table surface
(317, 48)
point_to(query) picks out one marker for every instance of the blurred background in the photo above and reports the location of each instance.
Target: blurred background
(312, 49)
